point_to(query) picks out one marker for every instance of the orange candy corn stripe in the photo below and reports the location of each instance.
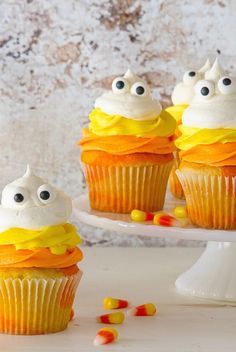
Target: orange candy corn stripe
(114, 303)
(165, 220)
(112, 318)
(105, 336)
(148, 309)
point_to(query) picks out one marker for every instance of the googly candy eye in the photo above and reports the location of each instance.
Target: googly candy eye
(227, 85)
(14, 197)
(191, 77)
(205, 89)
(46, 194)
(120, 85)
(139, 89)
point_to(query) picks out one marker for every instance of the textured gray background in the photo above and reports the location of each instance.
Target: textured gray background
(57, 56)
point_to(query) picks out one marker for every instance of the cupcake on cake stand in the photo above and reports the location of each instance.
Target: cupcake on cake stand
(213, 276)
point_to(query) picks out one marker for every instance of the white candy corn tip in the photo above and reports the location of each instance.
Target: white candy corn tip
(131, 312)
(99, 340)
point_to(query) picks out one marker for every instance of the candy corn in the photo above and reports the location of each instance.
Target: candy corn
(147, 309)
(112, 318)
(114, 303)
(181, 212)
(139, 215)
(105, 336)
(165, 220)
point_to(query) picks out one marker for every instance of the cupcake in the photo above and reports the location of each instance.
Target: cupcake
(127, 149)
(38, 256)
(208, 153)
(181, 97)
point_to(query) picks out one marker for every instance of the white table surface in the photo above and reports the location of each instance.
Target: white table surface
(183, 324)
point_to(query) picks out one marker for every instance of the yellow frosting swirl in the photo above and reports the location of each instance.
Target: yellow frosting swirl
(176, 111)
(58, 238)
(103, 124)
(191, 137)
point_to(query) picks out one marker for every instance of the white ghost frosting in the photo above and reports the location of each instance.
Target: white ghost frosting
(31, 203)
(213, 105)
(184, 91)
(130, 97)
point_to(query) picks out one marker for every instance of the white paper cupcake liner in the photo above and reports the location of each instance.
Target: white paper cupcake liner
(211, 199)
(36, 306)
(121, 189)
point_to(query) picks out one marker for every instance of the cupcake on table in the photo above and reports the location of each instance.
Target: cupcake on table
(181, 97)
(127, 150)
(38, 256)
(208, 152)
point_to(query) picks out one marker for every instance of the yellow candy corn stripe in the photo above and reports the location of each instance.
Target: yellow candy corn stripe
(114, 303)
(112, 318)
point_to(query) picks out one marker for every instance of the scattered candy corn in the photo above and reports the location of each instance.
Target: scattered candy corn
(114, 303)
(72, 313)
(112, 318)
(161, 218)
(165, 220)
(147, 309)
(180, 212)
(105, 336)
(139, 215)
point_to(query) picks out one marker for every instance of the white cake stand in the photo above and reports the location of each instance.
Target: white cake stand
(213, 276)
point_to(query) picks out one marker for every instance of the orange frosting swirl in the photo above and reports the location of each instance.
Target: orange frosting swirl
(216, 154)
(127, 144)
(39, 258)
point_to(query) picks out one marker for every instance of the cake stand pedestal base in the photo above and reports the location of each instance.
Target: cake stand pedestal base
(213, 276)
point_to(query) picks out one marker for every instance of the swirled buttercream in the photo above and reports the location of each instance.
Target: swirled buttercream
(57, 238)
(103, 124)
(34, 232)
(208, 130)
(125, 145)
(191, 137)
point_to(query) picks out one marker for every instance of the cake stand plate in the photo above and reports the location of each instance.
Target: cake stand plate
(213, 276)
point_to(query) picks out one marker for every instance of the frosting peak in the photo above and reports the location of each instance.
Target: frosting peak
(32, 203)
(205, 67)
(28, 171)
(130, 76)
(130, 98)
(215, 72)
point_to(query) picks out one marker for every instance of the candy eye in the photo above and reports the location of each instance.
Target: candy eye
(226, 85)
(14, 197)
(139, 89)
(191, 77)
(205, 89)
(19, 198)
(46, 194)
(120, 85)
